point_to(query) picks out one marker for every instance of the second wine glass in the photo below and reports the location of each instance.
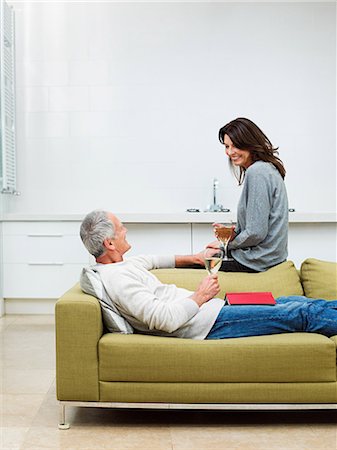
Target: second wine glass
(213, 259)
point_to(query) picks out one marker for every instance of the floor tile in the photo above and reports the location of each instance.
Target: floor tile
(30, 412)
(324, 436)
(28, 345)
(24, 351)
(5, 321)
(19, 410)
(12, 438)
(116, 438)
(34, 319)
(30, 381)
(280, 437)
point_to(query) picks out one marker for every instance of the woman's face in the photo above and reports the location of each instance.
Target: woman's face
(238, 157)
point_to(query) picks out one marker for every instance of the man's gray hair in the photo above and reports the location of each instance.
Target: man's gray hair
(95, 228)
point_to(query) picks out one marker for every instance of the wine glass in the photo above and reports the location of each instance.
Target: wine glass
(224, 232)
(213, 259)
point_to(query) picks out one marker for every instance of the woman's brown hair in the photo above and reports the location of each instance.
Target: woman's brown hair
(245, 135)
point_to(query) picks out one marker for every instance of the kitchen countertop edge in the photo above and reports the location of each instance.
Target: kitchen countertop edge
(184, 217)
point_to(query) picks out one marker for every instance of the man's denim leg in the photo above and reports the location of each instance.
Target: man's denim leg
(322, 317)
(291, 314)
(321, 314)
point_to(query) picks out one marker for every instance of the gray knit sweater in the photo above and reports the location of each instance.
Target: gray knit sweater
(262, 219)
(152, 307)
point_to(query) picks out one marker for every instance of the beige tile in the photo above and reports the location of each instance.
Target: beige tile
(35, 319)
(30, 411)
(19, 410)
(116, 438)
(324, 436)
(52, 389)
(5, 321)
(26, 381)
(241, 436)
(12, 438)
(29, 354)
(14, 332)
(48, 413)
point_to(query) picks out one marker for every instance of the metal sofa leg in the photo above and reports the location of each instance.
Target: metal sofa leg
(62, 423)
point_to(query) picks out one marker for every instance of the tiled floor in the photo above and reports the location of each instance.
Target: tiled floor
(29, 411)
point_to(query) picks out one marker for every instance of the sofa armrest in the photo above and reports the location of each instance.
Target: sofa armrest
(79, 327)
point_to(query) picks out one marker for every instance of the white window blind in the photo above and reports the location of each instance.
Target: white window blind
(7, 100)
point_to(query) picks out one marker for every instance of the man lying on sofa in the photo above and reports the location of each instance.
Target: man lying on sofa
(152, 307)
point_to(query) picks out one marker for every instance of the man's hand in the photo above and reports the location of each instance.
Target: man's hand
(208, 288)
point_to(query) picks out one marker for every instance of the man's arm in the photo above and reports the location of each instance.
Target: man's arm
(189, 260)
(134, 298)
(150, 262)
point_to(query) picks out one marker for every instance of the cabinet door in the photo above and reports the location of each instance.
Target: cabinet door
(159, 239)
(41, 259)
(43, 242)
(42, 247)
(202, 234)
(49, 280)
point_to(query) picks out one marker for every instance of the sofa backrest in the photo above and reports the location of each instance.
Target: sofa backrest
(282, 279)
(319, 279)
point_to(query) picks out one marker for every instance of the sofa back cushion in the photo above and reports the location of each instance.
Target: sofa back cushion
(319, 279)
(90, 282)
(282, 279)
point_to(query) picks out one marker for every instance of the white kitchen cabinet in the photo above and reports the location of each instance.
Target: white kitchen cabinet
(44, 249)
(202, 234)
(41, 259)
(159, 238)
(44, 259)
(47, 280)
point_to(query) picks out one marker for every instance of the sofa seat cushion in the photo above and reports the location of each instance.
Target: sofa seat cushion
(282, 279)
(319, 279)
(290, 357)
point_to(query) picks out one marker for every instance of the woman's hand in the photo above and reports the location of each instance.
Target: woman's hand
(233, 234)
(214, 244)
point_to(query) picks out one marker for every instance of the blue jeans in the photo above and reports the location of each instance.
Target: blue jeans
(290, 314)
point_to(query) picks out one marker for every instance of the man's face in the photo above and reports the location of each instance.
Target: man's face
(119, 241)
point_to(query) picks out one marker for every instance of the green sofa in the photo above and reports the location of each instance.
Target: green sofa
(293, 370)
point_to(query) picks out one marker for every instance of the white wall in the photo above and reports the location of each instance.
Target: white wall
(119, 104)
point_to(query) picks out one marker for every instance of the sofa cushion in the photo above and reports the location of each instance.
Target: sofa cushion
(319, 279)
(90, 282)
(281, 280)
(290, 357)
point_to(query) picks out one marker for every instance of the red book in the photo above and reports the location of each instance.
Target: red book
(249, 298)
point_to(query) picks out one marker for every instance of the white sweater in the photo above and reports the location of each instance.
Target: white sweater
(152, 307)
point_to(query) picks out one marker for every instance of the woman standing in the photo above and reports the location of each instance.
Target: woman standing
(261, 234)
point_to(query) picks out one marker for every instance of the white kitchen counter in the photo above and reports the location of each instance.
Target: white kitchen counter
(179, 217)
(45, 253)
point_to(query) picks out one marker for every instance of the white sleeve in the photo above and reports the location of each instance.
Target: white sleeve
(150, 262)
(135, 299)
